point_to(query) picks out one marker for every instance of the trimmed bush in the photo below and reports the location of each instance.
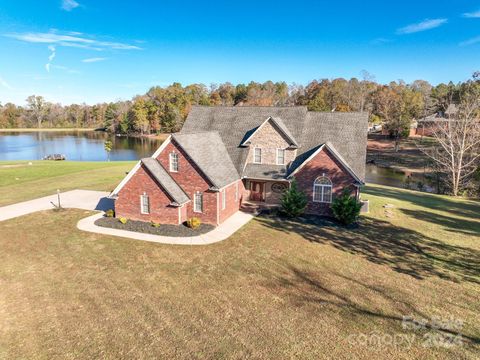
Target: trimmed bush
(346, 208)
(110, 213)
(155, 224)
(193, 223)
(123, 220)
(294, 201)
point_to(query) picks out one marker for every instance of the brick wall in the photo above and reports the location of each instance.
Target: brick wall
(191, 179)
(232, 205)
(323, 163)
(270, 139)
(128, 201)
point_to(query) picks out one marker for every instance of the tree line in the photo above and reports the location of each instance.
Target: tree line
(164, 109)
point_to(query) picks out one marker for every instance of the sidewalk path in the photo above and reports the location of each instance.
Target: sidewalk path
(97, 200)
(221, 232)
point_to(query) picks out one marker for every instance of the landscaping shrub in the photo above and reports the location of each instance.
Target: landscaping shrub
(294, 201)
(193, 223)
(155, 224)
(123, 220)
(110, 213)
(346, 208)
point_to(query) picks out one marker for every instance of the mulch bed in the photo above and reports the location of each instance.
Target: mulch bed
(147, 228)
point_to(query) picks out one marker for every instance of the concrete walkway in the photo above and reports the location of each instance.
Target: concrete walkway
(221, 232)
(79, 199)
(97, 200)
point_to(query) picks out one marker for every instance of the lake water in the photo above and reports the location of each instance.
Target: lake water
(75, 145)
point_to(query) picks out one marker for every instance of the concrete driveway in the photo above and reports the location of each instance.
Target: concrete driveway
(78, 199)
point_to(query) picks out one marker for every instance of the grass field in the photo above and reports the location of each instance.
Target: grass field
(20, 181)
(276, 289)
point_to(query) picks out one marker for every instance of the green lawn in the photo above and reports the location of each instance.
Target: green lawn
(275, 289)
(20, 181)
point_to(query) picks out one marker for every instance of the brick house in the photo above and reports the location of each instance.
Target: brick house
(226, 157)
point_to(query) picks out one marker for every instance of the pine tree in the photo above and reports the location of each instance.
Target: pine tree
(294, 201)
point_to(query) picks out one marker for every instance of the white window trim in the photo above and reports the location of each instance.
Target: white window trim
(173, 153)
(321, 191)
(284, 153)
(254, 160)
(224, 199)
(236, 191)
(195, 202)
(142, 204)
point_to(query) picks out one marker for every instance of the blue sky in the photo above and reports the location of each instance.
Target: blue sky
(93, 51)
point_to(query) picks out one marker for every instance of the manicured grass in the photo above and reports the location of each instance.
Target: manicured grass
(275, 289)
(20, 181)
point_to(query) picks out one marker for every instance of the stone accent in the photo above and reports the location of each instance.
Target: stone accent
(323, 164)
(269, 139)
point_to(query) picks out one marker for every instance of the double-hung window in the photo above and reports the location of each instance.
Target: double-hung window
(280, 156)
(198, 202)
(257, 155)
(322, 190)
(173, 162)
(144, 204)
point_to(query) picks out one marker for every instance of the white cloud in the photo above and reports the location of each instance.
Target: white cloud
(86, 42)
(5, 84)
(92, 60)
(51, 57)
(474, 14)
(69, 5)
(426, 24)
(471, 41)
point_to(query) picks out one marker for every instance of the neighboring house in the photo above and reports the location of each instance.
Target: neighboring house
(429, 124)
(227, 156)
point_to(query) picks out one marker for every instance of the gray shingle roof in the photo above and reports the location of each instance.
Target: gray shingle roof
(265, 171)
(166, 181)
(208, 151)
(346, 131)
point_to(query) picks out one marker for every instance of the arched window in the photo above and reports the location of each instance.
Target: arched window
(322, 190)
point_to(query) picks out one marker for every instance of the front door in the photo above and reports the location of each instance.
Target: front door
(256, 191)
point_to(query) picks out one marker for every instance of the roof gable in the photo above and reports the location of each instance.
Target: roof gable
(278, 125)
(161, 175)
(208, 152)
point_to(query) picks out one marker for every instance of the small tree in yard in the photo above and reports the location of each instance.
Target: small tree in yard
(108, 148)
(294, 201)
(346, 208)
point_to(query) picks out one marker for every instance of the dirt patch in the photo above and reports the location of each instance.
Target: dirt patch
(147, 228)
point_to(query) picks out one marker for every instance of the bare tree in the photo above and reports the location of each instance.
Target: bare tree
(36, 106)
(457, 138)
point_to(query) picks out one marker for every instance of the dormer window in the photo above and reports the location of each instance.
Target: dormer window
(280, 156)
(257, 155)
(173, 162)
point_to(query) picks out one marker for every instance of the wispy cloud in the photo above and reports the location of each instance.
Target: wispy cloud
(471, 41)
(67, 39)
(51, 57)
(424, 25)
(5, 84)
(380, 41)
(474, 14)
(69, 5)
(92, 60)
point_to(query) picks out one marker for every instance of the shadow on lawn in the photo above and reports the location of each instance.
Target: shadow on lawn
(466, 208)
(452, 224)
(305, 287)
(403, 250)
